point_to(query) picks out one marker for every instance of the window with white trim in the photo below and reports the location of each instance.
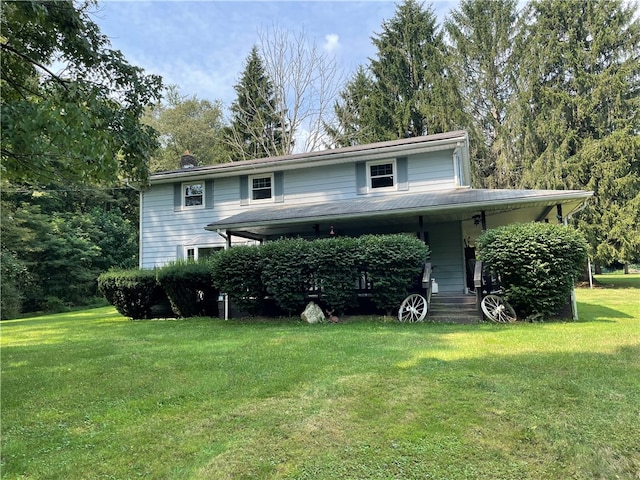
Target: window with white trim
(193, 195)
(261, 187)
(381, 174)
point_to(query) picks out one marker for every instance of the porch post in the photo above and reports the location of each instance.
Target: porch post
(421, 231)
(559, 213)
(228, 240)
(483, 221)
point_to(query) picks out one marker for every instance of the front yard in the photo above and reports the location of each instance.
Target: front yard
(93, 395)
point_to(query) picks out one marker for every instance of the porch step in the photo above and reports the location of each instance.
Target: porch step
(453, 308)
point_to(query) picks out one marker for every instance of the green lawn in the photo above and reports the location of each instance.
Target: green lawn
(92, 395)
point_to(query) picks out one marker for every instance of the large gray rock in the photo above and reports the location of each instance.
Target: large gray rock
(313, 314)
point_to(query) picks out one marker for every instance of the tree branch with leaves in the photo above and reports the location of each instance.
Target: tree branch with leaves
(78, 125)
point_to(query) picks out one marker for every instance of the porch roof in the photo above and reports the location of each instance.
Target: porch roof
(437, 206)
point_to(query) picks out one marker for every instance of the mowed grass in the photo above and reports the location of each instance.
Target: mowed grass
(93, 395)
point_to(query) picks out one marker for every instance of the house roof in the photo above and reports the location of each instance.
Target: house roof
(406, 146)
(448, 205)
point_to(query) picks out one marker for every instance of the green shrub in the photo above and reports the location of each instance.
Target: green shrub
(537, 264)
(133, 292)
(286, 272)
(334, 263)
(189, 286)
(237, 272)
(393, 264)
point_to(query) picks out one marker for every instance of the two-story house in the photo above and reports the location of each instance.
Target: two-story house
(420, 186)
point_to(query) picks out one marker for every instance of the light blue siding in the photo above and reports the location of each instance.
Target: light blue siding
(164, 233)
(447, 256)
(166, 227)
(431, 171)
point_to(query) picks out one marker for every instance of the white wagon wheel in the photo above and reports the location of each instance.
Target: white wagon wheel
(413, 309)
(497, 309)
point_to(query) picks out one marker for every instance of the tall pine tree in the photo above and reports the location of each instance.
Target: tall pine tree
(411, 90)
(416, 90)
(356, 121)
(256, 129)
(481, 34)
(578, 116)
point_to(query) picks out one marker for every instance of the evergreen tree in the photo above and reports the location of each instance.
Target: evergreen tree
(407, 90)
(416, 92)
(356, 121)
(481, 33)
(256, 128)
(578, 116)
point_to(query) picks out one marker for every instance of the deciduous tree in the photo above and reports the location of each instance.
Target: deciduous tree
(79, 120)
(306, 81)
(187, 124)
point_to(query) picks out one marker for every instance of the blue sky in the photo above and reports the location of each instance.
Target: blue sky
(201, 46)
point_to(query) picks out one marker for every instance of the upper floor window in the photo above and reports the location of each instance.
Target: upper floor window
(261, 187)
(193, 194)
(381, 174)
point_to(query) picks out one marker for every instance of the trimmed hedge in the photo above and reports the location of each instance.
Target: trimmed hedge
(133, 292)
(537, 264)
(189, 286)
(290, 269)
(335, 266)
(237, 272)
(393, 263)
(286, 272)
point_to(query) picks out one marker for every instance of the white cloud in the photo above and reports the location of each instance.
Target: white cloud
(331, 42)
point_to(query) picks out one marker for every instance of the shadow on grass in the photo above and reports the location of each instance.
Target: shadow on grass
(618, 281)
(599, 313)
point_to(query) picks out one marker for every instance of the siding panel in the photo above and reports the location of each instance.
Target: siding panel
(447, 256)
(432, 171)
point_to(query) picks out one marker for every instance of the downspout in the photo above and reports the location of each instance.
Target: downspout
(225, 297)
(225, 236)
(577, 210)
(457, 166)
(574, 303)
(140, 230)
